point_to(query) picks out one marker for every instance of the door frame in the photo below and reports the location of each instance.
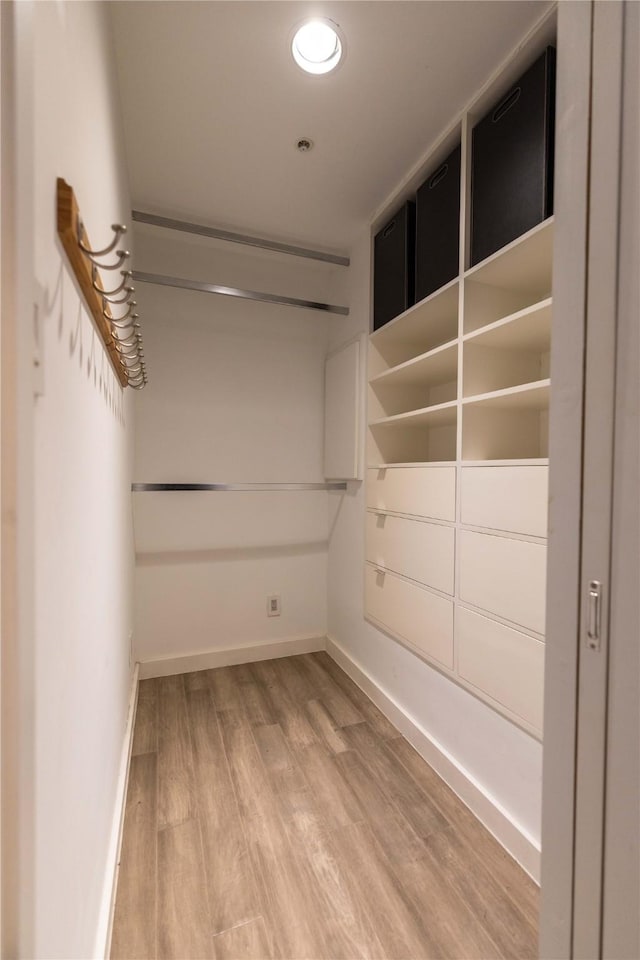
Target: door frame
(17, 652)
(592, 482)
(573, 122)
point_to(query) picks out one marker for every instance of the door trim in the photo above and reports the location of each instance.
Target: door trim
(573, 121)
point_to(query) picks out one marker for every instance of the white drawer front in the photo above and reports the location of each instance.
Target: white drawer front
(513, 499)
(415, 548)
(505, 664)
(422, 618)
(506, 577)
(420, 491)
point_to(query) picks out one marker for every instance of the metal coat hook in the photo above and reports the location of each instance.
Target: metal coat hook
(130, 340)
(108, 299)
(130, 324)
(118, 228)
(128, 353)
(122, 255)
(126, 316)
(126, 348)
(132, 353)
(126, 275)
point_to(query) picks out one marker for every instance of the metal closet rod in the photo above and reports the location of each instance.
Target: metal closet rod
(203, 231)
(162, 280)
(235, 487)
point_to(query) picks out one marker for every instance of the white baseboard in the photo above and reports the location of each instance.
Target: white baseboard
(509, 834)
(105, 920)
(208, 659)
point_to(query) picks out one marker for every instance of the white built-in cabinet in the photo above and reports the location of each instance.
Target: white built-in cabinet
(457, 468)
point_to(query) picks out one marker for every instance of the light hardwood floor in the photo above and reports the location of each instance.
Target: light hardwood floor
(273, 811)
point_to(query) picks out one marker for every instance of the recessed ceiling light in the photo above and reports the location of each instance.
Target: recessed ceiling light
(316, 46)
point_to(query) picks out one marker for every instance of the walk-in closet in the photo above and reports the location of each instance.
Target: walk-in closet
(319, 421)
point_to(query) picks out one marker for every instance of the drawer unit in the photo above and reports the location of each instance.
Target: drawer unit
(419, 491)
(421, 617)
(503, 663)
(513, 499)
(414, 548)
(505, 577)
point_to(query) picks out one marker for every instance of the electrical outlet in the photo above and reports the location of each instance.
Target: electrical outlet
(273, 606)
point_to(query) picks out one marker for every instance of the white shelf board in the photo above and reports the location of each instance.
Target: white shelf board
(435, 366)
(526, 396)
(528, 329)
(438, 312)
(530, 462)
(439, 415)
(518, 265)
(412, 463)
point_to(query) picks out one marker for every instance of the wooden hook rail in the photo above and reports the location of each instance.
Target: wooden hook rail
(86, 271)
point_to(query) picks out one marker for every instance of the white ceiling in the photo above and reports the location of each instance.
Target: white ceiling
(213, 105)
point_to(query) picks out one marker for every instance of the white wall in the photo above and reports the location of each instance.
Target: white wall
(502, 760)
(83, 535)
(235, 395)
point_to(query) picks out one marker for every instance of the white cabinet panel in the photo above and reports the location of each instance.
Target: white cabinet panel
(505, 664)
(513, 499)
(415, 548)
(420, 491)
(421, 617)
(506, 577)
(342, 413)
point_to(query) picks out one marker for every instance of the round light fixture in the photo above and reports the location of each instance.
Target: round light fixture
(316, 46)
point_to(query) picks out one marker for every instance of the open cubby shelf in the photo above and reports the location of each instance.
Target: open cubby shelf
(426, 381)
(425, 326)
(430, 365)
(498, 400)
(428, 437)
(511, 280)
(507, 424)
(527, 329)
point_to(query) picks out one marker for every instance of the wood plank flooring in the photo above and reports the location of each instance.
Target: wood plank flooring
(274, 812)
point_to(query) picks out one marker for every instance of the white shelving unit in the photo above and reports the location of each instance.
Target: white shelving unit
(457, 448)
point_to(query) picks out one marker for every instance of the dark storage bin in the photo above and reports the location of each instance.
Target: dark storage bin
(512, 162)
(438, 227)
(394, 265)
